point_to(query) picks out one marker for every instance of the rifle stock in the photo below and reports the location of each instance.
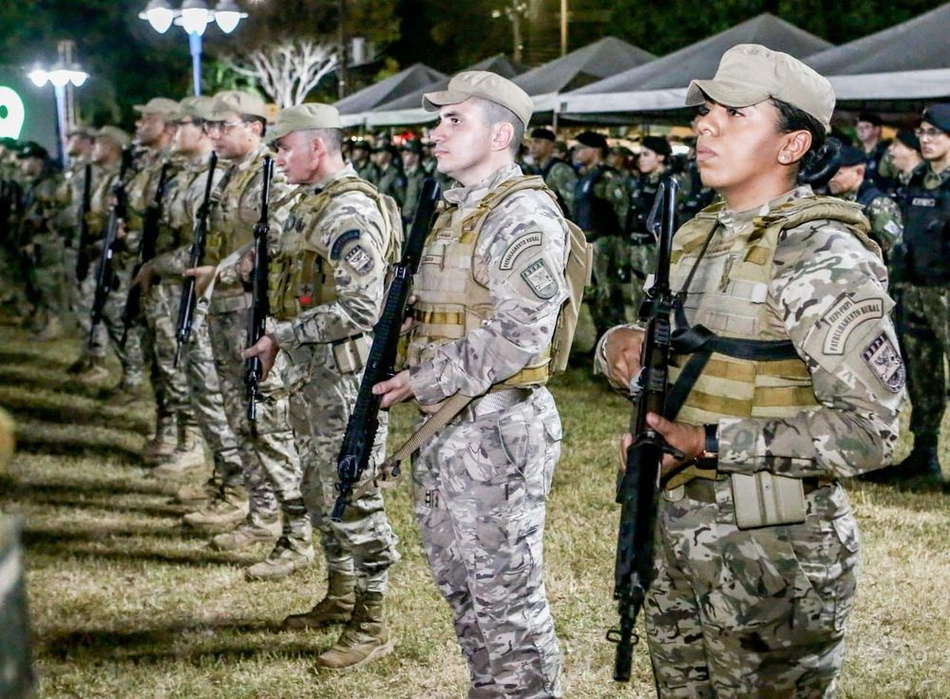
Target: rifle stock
(363, 424)
(639, 486)
(85, 238)
(257, 313)
(186, 306)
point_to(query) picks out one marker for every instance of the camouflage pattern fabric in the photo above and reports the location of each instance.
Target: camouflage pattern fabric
(561, 179)
(481, 484)
(414, 178)
(38, 228)
(349, 233)
(887, 224)
(16, 662)
(392, 181)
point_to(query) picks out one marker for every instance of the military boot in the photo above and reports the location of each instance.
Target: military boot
(227, 508)
(365, 637)
(922, 462)
(287, 556)
(194, 495)
(53, 330)
(188, 455)
(252, 530)
(126, 393)
(80, 365)
(335, 608)
(96, 372)
(164, 441)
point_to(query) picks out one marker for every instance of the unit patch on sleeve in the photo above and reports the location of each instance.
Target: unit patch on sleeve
(539, 279)
(885, 363)
(844, 317)
(360, 260)
(528, 240)
(342, 240)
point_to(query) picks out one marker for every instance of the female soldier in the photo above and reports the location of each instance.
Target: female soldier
(757, 547)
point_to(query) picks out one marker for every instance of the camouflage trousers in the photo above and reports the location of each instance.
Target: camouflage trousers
(750, 613)
(481, 487)
(606, 296)
(272, 466)
(160, 308)
(362, 544)
(81, 295)
(642, 264)
(924, 330)
(204, 390)
(47, 277)
(130, 357)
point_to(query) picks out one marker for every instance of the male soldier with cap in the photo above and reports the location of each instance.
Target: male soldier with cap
(360, 151)
(601, 204)
(40, 242)
(272, 471)
(868, 128)
(921, 270)
(904, 154)
(484, 317)
(107, 156)
(799, 383)
(392, 180)
(327, 287)
(558, 175)
(850, 184)
(415, 175)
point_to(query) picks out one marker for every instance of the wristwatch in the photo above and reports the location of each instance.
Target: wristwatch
(710, 456)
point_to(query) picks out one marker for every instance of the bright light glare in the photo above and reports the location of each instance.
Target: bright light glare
(160, 18)
(39, 77)
(195, 19)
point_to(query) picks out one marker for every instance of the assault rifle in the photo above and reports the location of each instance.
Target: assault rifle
(639, 485)
(186, 307)
(147, 250)
(257, 313)
(85, 237)
(107, 280)
(364, 420)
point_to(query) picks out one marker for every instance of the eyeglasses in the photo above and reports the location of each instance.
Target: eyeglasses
(223, 126)
(189, 122)
(929, 133)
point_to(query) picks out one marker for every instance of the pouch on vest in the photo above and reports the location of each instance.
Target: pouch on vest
(351, 354)
(764, 499)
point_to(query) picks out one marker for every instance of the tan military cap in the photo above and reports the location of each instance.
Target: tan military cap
(81, 130)
(303, 117)
(162, 106)
(115, 134)
(750, 73)
(194, 106)
(484, 85)
(237, 102)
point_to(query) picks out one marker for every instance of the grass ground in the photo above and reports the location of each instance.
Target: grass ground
(126, 603)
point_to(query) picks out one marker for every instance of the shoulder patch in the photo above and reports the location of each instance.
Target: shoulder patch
(539, 279)
(518, 246)
(342, 240)
(885, 363)
(846, 315)
(360, 260)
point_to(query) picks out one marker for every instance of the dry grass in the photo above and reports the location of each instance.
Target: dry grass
(125, 603)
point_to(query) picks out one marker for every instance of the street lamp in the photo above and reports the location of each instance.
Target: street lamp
(514, 11)
(194, 17)
(63, 74)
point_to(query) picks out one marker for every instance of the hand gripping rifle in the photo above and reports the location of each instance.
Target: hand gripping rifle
(107, 280)
(186, 307)
(147, 250)
(257, 313)
(364, 420)
(85, 237)
(639, 485)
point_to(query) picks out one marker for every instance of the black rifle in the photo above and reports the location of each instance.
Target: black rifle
(186, 307)
(364, 420)
(639, 486)
(147, 249)
(257, 313)
(85, 237)
(107, 280)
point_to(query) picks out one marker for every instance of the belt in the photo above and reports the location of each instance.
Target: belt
(704, 490)
(229, 304)
(496, 402)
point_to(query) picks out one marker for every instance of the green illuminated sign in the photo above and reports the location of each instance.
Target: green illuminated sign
(12, 113)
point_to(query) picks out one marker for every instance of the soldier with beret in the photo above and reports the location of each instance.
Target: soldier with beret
(484, 318)
(558, 175)
(800, 385)
(904, 155)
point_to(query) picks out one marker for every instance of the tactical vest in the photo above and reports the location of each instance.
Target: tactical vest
(926, 254)
(753, 369)
(300, 274)
(172, 234)
(450, 302)
(232, 220)
(592, 212)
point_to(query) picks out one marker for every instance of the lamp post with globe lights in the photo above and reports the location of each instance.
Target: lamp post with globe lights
(63, 76)
(194, 17)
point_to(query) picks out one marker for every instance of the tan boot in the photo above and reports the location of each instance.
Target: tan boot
(126, 394)
(188, 455)
(286, 557)
(364, 639)
(96, 372)
(335, 608)
(247, 534)
(164, 441)
(227, 508)
(53, 330)
(201, 494)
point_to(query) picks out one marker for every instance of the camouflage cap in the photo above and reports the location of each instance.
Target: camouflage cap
(114, 134)
(194, 106)
(237, 102)
(80, 130)
(162, 106)
(749, 74)
(938, 115)
(412, 146)
(484, 85)
(303, 117)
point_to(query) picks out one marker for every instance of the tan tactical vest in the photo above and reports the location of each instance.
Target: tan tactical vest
(300, 275)
(450, 302)
(728, 296)
(231, 223)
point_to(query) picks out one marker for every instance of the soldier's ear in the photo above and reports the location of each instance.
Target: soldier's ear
(502, 134)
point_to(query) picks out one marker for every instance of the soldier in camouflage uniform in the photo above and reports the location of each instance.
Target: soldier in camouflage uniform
(41, 243)
(327, 286)
(483, 322)
(392, 180)
(601, 204)
(850, 184)
(415, 176)
(361, 161)
(557, 174)
(751, 602)
(272, 475)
